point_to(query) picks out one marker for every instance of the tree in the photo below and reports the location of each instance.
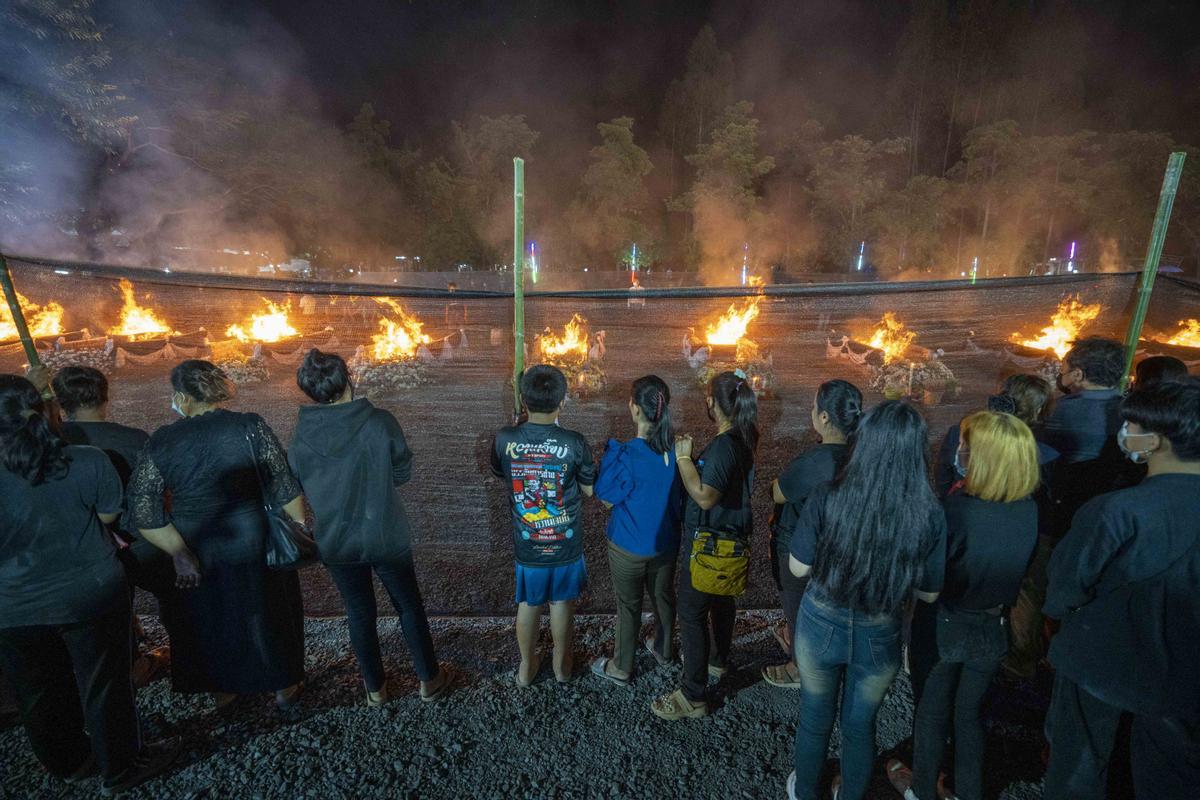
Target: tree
(608, 213)
(909, 225)
(849, 176)
(696, 100)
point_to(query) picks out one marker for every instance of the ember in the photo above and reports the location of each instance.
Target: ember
(891, 338)
(272, 326)
(42, 320)
(398, 339)
(137, 322)
(1070, 318)
(1188, 335)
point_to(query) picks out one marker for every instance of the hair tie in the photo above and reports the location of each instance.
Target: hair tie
(658, 404)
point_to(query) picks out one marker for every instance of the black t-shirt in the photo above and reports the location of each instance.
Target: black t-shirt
(727, 466)
(811, 526)
(988, 549)
(545, 466)
(804, 473)
(58, 564)
(121, 443)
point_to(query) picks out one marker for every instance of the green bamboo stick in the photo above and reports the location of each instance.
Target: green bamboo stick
(10, 295)
(518, 280)
(1158, 235)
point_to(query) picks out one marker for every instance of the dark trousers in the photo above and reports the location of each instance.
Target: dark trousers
(631, 576)
(847, 656)
(791, 588)
(1082, 731)
(705, 635)
(74, 693)
(952, 688)
(399, 579)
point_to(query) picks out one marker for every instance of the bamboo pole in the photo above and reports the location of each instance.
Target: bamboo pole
(1158, 235)
(10, 295)
(518, 281)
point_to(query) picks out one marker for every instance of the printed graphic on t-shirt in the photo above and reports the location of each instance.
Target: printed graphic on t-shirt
(538, 477)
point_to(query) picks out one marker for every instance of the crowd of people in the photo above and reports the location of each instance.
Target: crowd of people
(1073, 523)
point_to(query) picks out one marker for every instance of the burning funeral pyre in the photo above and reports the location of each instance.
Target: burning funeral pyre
(269, 326)
(576, 353)
(137, 322)
(396, 358)
(898, 366)
(1183, 344)
(43, 321)
(1069, 319)
(726, 347)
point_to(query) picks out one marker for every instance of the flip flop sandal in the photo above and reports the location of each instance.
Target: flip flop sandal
(600, 669)
(649, 645)
(675, 706)
(537, 668)
(441, 691)
(899, 775)
(783, 644)
(785, 676)
(835, 788)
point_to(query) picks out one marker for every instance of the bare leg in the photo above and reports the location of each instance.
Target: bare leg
(562, 629)
(529, 620)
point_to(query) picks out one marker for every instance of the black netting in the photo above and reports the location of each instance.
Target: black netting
(451, 401)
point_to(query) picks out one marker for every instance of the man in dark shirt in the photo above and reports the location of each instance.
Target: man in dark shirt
(82, 394)
(1123, 583)
(549, 469)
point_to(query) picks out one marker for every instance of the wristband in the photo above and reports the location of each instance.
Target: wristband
(680, 458)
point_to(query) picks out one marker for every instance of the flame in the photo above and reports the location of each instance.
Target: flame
(397, 339)
(42, 320)
(137, 321)
(571, 346)
(891, 337)
(731, 327)
(1188, 335)
(1064, 327)
(269, 327)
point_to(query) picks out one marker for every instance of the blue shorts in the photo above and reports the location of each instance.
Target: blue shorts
(540, 585)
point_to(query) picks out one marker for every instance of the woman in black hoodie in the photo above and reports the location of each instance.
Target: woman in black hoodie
(350, 457)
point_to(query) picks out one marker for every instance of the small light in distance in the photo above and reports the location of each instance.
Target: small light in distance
(62, 272)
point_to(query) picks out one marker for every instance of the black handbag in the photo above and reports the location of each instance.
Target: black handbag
(290, 544)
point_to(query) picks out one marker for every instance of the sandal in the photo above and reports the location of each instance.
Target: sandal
(835, 788)
(662, 660)
(286, 699)
(785, 676)
(377, 699)
(442, 689)
(784, 645)
(900, 775)
(600, 669)
(675, 706)
(537, 668)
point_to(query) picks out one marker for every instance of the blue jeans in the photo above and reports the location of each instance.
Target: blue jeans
(846, 654)
(358, 593)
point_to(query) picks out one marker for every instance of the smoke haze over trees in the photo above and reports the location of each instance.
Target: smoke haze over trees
(935, 132)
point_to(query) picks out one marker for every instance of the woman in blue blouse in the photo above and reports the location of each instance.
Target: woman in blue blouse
(638, 482)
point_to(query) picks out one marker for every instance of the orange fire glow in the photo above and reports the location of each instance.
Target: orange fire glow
(398, 338)
(1064, 328)
(42, 320)
(1188, 335)
(571, 346)
(892, 338)
(136, 321)
(731, 327)
(271, 326)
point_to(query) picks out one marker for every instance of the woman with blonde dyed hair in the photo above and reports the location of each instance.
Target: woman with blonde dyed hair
(959, 640)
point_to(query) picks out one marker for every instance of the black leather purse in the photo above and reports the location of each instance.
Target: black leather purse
(290, 544)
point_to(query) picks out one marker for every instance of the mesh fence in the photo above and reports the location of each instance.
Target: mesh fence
(457, 390)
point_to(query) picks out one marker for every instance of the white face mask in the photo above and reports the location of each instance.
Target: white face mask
(962, 458)
(1123, 437)
(175, 407)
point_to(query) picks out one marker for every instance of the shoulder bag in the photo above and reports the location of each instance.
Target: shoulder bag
(290, 544)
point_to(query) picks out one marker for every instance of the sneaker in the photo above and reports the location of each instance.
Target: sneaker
(675, 706)
(717, 672)
(150, 763)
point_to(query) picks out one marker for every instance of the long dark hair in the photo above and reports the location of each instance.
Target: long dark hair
(652, 395)
(30, 449)
(878, 515)
(737, 401)
(843, 402)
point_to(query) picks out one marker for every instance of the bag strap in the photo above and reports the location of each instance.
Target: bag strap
(262, 486)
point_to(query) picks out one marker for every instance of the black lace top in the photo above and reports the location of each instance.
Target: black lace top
(202, 468)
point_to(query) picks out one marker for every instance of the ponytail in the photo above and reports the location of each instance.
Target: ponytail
(30, 448)
(652, 395)
(843, 402)
(737, 401)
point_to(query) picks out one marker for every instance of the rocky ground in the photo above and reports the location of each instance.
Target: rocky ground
(490, 739)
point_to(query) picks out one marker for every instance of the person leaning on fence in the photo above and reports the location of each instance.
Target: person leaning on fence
(717, 522)
(241, 629)
(1123, 584)
(82, 394)
(64, 604)
(958, 642)
(350, 457)
(837, 408)
(638, 482)
(548, 470)
(867, 541)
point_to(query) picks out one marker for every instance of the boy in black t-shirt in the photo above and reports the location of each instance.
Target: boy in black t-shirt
(549, 469)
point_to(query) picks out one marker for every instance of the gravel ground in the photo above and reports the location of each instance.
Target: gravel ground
(586, 739)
